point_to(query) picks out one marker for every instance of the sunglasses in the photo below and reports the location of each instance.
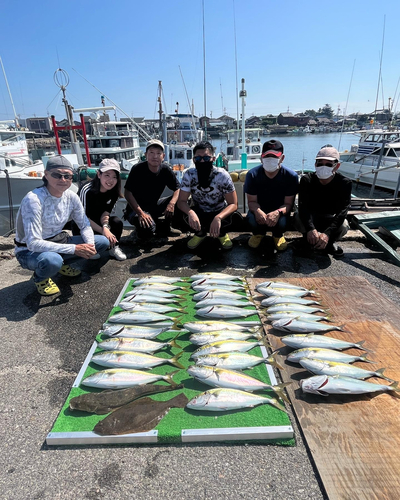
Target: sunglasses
(204, 158)
(67, 177)
(325, 164)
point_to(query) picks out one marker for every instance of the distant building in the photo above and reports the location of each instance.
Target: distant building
(228, 120)
(291, 120)
(39, 124)
(253, 121)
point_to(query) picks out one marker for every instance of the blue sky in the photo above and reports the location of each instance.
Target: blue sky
(292, 54)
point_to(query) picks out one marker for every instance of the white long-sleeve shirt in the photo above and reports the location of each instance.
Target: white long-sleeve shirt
(42, 216)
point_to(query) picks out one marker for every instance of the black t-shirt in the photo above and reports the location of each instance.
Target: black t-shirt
(95, 204)
(147, 187)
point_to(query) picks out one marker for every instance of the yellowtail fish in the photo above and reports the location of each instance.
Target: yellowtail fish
(300, 316)
(152, 291)
(225, 312)
(226, 346)
(136, 345)
(142, 415)
(132, 317)
(212, 288)
(209, 326)
(236, 360)
(126, 359)
(229, 399)
(324, 367)
(209, 337)
(230, 379)
(301, 340)
(270, 301)
(223, 294)
(148, 306)
(223, 302)
(218, 276)
(132, 331)
(293, 308)
(325, 385)
(141, 297)
(283, 292)
(278, 284)
(123, 378)
(325, 354)
(156, 279)
(294, 325)
(217, 282)
(105, 401)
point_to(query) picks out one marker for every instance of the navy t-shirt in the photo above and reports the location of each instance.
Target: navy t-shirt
(271, 192)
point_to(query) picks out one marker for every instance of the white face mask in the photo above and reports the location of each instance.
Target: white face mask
(324, 172)
(270, 164)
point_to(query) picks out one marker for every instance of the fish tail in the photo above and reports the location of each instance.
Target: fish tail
(279, 389)
(394, 389)
(379, 373)
(360, 345)
(173, 343)
(258, 335)
(271, 360)
(265, 342)
(176, 322)
(168, 377)
(364, 358)
(275, 404)
(174, 361)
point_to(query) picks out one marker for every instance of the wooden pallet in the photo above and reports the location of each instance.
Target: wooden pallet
(354, 440)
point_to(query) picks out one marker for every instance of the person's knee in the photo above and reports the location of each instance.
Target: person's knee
(101, 243)
(50, 261)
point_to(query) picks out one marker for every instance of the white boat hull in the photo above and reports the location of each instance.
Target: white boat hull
(387, 179)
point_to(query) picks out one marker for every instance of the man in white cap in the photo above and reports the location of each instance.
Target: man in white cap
(324, 200)
(143, 190)
(41, 244)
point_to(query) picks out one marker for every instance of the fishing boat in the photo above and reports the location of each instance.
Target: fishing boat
(375, 159)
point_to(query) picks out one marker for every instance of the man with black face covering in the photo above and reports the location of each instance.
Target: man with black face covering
(271, 189)
(214, 198)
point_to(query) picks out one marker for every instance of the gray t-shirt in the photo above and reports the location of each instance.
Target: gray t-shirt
(212, 198)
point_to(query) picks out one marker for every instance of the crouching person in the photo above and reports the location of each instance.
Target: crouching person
(41, 244)
(214, 198)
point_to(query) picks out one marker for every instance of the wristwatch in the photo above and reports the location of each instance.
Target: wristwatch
(106, 225)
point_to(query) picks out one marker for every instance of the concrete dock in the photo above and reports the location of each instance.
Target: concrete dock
(45, 340)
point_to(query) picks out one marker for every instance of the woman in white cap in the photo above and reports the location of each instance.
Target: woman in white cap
(98, 198)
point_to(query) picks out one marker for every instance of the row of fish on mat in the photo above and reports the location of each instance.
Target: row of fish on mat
(131, 344)
(290, 311)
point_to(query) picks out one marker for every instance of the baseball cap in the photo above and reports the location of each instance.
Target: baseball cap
(328, 153)
(58, 161)
(272, 148)
(155, 142)
(109, 164)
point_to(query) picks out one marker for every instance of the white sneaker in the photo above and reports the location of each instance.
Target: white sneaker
(117, 253)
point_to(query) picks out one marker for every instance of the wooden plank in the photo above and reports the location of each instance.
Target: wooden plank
(354, 440)
(387, 231)
(380, 215)
(387, 249)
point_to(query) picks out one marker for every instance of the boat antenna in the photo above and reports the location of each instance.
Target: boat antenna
(204, 75)
(380, 65)
(9, 93)
(347, 102)
(138, 127)
(236, 69)
(190, 108)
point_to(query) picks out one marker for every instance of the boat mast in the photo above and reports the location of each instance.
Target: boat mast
(243, 95)
(9, 93)
(204, 77)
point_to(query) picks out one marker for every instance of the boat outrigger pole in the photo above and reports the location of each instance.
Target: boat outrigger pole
(243, 95)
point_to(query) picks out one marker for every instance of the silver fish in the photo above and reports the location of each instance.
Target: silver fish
(228, 399)
(126, 359)
(141, 297)
(213, 281)
(323, 367)
(222, 302)
(148, 307)
(156, 279)
(270, 301)
(212, 288)
(166, 287)
(325, 385)
(299, 341)
(133, 331)
(210, 326)
(294, 325)
(225, 312)
(236, 360)
(153, 292)
(226, 346)
(209, 337)
(218, 276)
(135, 345)
(325, 354)
(230, 379)
(283, 292)
(123, 378)
(300, 316)
(223, 294)
(293, 307)
(278, 284)
(134, 317)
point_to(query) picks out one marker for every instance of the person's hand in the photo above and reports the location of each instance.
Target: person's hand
(194, 221)
(272, 218)
(313, 237)
(85, 250)
(145, 220)
(322, 241)
(261, 217)
(169, 211)
(215, 227)
(109, 235)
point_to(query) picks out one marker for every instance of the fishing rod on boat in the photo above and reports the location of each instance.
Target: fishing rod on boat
(347, 102)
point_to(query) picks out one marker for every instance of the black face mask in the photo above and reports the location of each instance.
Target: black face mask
(204, 169)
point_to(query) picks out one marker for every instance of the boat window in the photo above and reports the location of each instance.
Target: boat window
(189, 154)
(391, 152)
(179, 154)
(114, 143)
(98, 143)
(229, 150)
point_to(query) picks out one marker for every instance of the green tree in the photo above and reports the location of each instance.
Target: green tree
(326, 110)
(310, 112)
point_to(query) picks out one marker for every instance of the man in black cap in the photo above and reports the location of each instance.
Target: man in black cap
(271, 189)
(143, 189)
(41, 244)
(324, 200)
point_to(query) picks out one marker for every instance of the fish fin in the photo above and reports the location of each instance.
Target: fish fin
(361, 344)
(279, 390)
(364, 358)
(173, 343)
(273, 361)
(168, 377)
(395, 387)
(174, 361)
(258, 335)
(381, 375)
(265, 342)
(276, 404)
